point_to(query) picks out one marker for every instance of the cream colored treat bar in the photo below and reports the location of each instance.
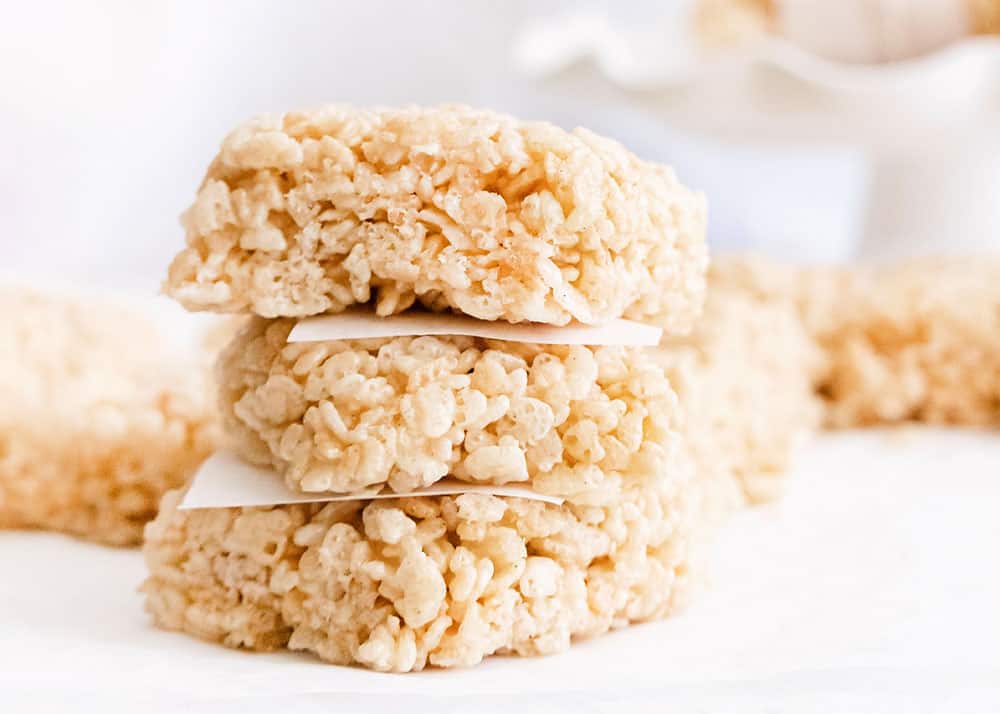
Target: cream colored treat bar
(919, 341)
(400, 585)
(744, 379)
(816, 293)
(96, 420)
(916, 342)
(311, 212)
(567, 420)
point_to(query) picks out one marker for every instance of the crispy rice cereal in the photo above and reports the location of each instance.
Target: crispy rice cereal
(579, 422)
(403, 584)
(311, 212)
(744, 379)
(95, 423)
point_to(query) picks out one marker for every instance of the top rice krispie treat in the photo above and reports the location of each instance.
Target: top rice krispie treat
(97, 417)
(457, 208)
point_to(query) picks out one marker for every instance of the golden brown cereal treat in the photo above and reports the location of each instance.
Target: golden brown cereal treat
(403, 584)
(574, 421)
(311, 212)
(744, 378)
(96, 423)
(916, 342)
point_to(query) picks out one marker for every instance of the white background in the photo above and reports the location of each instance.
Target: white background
(110, 112)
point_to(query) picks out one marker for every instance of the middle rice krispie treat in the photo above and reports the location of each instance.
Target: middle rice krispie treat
(457, 208)
(572, 421)
(402, 584)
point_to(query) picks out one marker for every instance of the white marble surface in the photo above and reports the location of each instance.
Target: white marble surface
(872, 587)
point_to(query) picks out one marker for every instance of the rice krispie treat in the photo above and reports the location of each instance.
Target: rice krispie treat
(919, 341)
(915, 342)
(744, 379)
(311, 212)
(402, 584)
(573, 421)
(816, 293)
(96, 422)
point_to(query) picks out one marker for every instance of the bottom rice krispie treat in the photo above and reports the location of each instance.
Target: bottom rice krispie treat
(97, 421)
(744, 380)
(402, 584)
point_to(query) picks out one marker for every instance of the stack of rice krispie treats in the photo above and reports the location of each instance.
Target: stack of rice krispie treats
(456, 210)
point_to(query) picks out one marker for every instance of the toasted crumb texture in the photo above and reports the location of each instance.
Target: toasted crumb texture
(403, 584)
(95, 422)
(745, 382)
(311, 212)
(578, 422)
